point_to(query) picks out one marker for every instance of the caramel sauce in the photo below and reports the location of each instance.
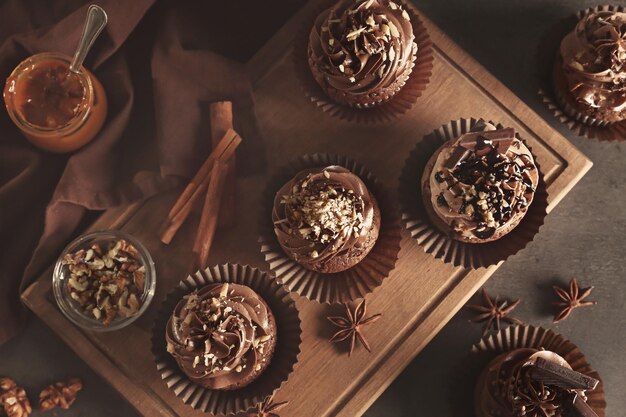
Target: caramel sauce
(49, 95)
(56, 109)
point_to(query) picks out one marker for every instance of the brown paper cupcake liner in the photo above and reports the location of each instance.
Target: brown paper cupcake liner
(283, 360)
(388, 111)
(347, 285)
(438, 243)
(581, 124)
(515, 337)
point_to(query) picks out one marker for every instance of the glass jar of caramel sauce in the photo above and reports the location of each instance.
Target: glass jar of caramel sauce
(56, 109)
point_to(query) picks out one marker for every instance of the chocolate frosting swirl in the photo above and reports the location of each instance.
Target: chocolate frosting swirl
(594, 60)
(219, 334)
(506, 389)
(483, 182)
(361, 52)
(340, 227)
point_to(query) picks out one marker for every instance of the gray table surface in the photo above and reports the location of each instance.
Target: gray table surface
(583, 237)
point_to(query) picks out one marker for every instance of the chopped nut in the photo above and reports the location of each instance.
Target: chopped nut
(60, 394)
(224, 290)
(323, 212)
(107, 281)
(13, 399)
(394, 30)
(7, 384)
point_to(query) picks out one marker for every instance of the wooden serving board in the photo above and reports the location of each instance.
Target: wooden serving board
(416, 301)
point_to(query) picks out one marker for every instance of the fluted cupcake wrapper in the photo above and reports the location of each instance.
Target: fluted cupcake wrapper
(400, 103)
(438, 243)
(553, 98)
(348, 285)
(516, 337)
(283, 360)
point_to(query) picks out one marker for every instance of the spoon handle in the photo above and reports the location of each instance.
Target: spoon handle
(94, 23)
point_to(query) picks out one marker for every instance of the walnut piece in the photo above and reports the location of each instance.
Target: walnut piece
(13, 399)
(106, 283)
(322, 211)
(60, 394)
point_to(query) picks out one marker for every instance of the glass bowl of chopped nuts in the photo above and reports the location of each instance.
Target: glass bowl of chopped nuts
(104, 280)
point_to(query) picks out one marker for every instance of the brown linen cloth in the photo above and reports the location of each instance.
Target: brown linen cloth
(159, 76)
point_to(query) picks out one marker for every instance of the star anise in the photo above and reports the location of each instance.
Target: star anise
(493, 313)
(570, 300)
(267, 408)
(535, 399)
(351, 326)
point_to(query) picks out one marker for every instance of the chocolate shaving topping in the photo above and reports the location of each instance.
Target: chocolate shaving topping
(220, 335)
(362, 49)
(492, 185)
(553, 374)
(594, 60)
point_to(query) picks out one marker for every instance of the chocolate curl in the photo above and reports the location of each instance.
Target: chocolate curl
(550, 373)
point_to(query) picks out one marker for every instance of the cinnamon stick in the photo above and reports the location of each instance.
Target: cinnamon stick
(223, 151)
(210, 213)
(221, 116)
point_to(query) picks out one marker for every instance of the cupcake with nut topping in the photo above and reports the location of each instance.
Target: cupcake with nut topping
(222, 336)
(479, 186)
(590, 69)
(361, 52)
(326, 219)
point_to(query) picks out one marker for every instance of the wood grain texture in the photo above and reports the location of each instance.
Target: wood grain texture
(420, 296)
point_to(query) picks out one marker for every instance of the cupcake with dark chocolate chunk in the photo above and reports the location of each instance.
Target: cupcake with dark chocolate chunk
(478, 187)
(326, 219)
(528, 382)
(361, 52)
(222, 336)
(590, 69)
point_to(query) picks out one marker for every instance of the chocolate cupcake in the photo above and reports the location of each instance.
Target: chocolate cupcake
(222, 336)
(527, 382)
(361, 52)
(326, 219)
(590, 69)
(477, 187)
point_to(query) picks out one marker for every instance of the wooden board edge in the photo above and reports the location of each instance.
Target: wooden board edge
(359, 401)
(574, 166)
(36, 299)
(278, 45)
(577, 165)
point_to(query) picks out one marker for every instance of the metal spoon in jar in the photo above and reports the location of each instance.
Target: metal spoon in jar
(94, 23)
